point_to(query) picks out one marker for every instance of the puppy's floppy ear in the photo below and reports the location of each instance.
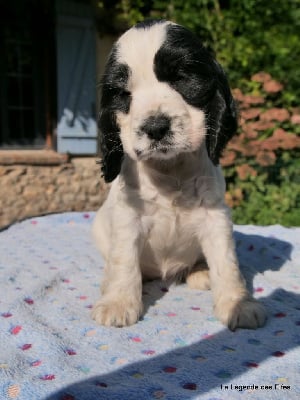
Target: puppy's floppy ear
(189, 68)
(110, 145)
(221, 117)
(114, 98)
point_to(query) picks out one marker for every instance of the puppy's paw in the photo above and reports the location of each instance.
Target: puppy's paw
(198, 280)
(119, 313)
(245, 313)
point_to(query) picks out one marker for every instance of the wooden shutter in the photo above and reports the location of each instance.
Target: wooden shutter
(76, 79)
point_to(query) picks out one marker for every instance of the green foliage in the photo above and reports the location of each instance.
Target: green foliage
(272, 197)
(265, 192)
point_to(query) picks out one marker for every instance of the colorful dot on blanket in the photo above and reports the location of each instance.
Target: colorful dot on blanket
(228, 349)
(68, 396)
(101, 384)
(164, 289)
(254, 342)
(171, 314)
(28, 300)
(163, 331)
(207, 336)
(280, 315)
(223, 374)
(103, 347)
(251, 364)
(159, 394)
(36, 363)
(211, 319)
(47, 377)
(13, 391)
(199, 358)
(170, 369)
(6, 315)
(26, 346)
(278, 354)
(282, 379)
(121, 361)
(15, 330)
(178, 299)
(180, 342)
(189, 386)
(259, 290)
(90, 332)
(137, 375)
(84, 369)
(279, 333)
(117, 360)
(148, 352)
(135, 339)
(70, 352)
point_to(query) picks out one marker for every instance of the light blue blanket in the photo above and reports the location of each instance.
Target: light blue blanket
(51, 349)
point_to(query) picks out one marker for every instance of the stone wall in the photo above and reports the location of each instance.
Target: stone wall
(32, 190)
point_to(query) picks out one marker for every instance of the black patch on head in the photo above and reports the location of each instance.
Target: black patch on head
(189, 68)
(147, 23)
(115, 97)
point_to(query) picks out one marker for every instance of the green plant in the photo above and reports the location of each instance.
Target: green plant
(262, 163)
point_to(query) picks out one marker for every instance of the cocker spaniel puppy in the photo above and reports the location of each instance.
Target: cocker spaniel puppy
(166, 115)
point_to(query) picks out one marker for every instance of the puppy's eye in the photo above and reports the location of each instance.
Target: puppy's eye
(124, 93)
(121, 99)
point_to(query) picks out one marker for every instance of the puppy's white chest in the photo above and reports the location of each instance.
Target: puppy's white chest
(169, 242)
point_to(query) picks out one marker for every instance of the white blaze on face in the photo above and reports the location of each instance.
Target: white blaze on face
(137, 49)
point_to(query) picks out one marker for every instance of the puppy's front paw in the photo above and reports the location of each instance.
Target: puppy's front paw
(121, 312)
(245, 313)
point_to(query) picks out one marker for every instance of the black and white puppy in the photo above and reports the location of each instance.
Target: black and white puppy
(166, 115)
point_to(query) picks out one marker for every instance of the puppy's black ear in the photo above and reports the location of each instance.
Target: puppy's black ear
(111, 148)
(221, 118)
(114, 99)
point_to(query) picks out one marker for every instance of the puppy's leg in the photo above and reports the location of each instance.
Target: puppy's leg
(121, 301)
(233, 304)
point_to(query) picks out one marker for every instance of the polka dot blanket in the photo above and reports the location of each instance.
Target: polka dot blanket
(51, 349)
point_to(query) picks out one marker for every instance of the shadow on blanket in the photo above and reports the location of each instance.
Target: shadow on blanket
(250, 248)
(184, 367)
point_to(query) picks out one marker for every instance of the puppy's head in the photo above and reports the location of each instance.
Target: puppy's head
(162, 94)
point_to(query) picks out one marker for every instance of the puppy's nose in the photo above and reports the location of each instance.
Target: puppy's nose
(156, 126)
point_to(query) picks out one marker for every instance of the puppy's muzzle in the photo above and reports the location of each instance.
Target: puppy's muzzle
(156, 127)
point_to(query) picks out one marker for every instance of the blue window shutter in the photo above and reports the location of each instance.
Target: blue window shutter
(76, 79)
